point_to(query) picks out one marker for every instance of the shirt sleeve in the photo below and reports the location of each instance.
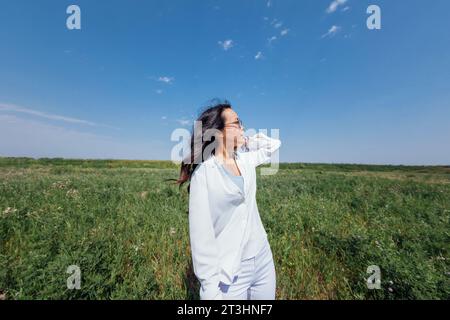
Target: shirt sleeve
(261, 147)
(204, 246)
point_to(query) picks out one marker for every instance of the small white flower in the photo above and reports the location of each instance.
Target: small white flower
(9, 210)
(72, 193)
(144, 194)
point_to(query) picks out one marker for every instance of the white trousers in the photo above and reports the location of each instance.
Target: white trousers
(255, 281)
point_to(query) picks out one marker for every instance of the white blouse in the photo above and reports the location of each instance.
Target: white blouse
(224, 222)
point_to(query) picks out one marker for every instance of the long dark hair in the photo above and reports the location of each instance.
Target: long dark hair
(211, 118)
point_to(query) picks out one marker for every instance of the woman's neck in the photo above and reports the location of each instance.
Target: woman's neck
(226, 155)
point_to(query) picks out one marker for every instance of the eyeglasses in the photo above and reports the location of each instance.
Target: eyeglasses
(236, 124)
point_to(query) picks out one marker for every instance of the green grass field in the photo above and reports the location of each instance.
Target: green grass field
(126, 228)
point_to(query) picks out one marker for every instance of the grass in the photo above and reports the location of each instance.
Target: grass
(126, 228)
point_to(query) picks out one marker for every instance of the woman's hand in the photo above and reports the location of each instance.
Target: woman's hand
(242, 141)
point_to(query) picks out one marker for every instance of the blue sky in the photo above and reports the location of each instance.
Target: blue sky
(137, 70)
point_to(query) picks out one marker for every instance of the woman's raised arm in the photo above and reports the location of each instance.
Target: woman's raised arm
(261, 147)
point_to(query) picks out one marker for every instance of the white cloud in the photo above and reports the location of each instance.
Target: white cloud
(14, 108)
(158, 91)
(184, 122)
(345, 9)
(227, 44)
(272, 39)
(30, 138)
(259, 55)
(166, 79)
(163, 117)
(284, 32)
(334, 5)
(332, 31)
(278, 24)
(269, 3)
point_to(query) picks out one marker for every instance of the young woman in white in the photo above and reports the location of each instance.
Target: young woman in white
(231, 255)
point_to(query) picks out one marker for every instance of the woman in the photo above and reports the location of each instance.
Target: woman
(230, 252)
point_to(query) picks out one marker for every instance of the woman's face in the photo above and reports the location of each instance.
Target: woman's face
(233, 130)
